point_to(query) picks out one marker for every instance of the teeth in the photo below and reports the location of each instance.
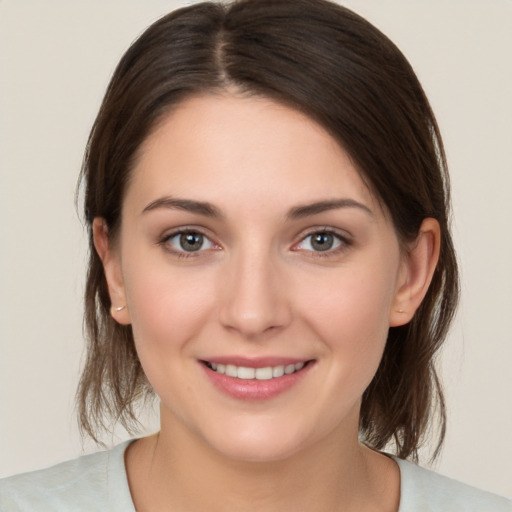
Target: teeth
(290, 368)
(267, 373)
(245, 373)
(231, 370)
(264, 373)
(278, 371)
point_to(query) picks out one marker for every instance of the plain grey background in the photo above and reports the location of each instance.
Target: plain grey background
(55, 60)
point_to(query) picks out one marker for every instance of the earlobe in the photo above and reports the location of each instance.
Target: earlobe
(418, 266)
(112, 269)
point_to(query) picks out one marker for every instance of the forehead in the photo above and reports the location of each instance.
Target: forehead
(224, 148)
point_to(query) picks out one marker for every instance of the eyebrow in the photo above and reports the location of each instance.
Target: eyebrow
(188, 205)
(308, 210)
(209, 210)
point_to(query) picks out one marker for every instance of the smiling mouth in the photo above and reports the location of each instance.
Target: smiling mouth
(246, 373)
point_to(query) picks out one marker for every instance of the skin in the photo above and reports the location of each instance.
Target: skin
(258, 287)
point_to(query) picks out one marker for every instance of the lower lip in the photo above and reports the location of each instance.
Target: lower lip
(253, 389)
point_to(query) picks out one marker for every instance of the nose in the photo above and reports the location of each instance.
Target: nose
(254, 297)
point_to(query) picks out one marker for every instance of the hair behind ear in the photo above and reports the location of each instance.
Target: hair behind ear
(406, 392)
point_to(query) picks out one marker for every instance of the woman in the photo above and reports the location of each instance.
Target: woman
(267, 198)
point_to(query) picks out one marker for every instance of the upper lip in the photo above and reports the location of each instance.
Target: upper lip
(255, 362)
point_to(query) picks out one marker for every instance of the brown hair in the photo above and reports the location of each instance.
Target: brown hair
(337, 68)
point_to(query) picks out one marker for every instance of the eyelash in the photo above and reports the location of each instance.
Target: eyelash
(164, 242)
(343, 242)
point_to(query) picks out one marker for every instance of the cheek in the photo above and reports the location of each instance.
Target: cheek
(169, 310)
(167, 306)
(350, 313)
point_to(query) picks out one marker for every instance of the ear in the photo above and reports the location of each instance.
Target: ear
(112, 269)
(417, 269)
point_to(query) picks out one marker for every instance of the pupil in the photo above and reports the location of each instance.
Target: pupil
(322, 241)
(191, 241)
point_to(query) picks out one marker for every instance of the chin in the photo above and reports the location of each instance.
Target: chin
(259, 443)
(258, 450)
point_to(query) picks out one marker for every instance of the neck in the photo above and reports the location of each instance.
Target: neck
(175, 470)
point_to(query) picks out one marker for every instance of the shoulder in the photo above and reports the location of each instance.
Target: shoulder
(425, 490)
(88, 483)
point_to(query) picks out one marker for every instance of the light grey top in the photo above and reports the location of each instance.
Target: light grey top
(98, 482)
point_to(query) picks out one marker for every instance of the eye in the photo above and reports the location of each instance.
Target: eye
(188, 241)
(321, 241)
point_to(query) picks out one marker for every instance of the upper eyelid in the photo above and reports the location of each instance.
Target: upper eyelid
(341, 233)
(186, 229)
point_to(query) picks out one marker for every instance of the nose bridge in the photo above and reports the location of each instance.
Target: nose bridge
(253, 300)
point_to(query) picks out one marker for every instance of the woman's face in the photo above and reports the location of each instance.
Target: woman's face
(250, 245)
